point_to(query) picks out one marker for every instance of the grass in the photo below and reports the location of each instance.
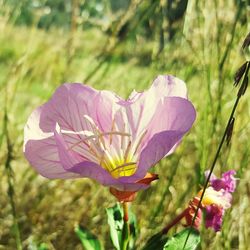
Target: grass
(34, 62)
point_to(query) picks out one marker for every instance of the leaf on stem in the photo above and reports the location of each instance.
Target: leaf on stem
(116, 224)
(157, 241)
(115, 221)
(178, 240)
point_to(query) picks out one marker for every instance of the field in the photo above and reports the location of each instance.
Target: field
(205, 52)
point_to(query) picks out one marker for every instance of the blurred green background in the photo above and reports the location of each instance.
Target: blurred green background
(121, 45)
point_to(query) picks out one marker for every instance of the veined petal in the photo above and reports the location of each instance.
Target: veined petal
(173, 113)
(140, 107)
(173, 118)
(32, 131)
(43, 156)
(168, 85)
(160, 145)
(67, 157)
(68, 107)
(105, 108)
(94, 171)
(40, 150)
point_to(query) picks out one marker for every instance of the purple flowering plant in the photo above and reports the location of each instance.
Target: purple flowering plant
(82, 132)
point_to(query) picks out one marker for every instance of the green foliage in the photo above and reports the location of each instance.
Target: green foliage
(178, 241)
(160, 241)
(156, 242)
(89, 241)
(115, 221)
(119, 230)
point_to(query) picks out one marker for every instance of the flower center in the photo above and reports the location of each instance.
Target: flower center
(122, 169)
(212, 196)
(113, 150)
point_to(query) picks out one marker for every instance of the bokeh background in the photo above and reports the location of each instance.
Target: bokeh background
(121, 45)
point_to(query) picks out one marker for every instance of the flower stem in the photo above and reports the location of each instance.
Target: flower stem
(125, 211)
(126, 229)
(174, 222)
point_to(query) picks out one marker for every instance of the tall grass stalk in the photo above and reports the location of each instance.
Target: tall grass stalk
(10, 178)
(226, 135)
(221, 65)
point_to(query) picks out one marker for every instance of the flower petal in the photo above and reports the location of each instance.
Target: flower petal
(32, 130)
(140, 107)
(168, 85)
(159, 146)
(173, 113)
(213, 218)
(67, 107)
(94, 171)
(106, 107)
(90, 170)
(43, 156)
(174, 117)
(78, 109)
(220, 198)
(226, 183)
(40, 150)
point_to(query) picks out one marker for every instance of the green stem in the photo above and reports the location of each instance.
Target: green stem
(126, 229)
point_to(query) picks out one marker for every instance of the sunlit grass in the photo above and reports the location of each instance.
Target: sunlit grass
(34, 62)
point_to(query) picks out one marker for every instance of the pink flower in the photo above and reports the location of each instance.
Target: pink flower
(213, 204)
(83, 132)
(218, 198)
(214, 216)
(227, 182)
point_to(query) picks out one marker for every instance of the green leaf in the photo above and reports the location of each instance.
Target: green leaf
(156, 242)
(117, 228)
(115, 221)
(89, 241)
(178, 240)
(133, 229)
